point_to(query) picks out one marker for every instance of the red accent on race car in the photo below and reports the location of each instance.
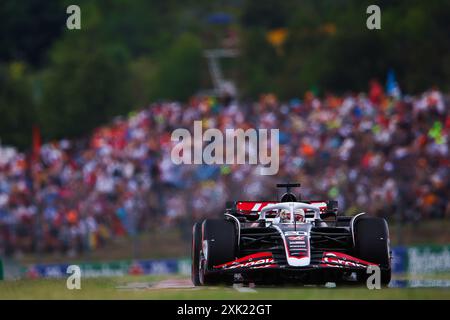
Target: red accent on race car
(340, 260)
(260, 259)
(257, 206)
(266, 266)
(265, 260)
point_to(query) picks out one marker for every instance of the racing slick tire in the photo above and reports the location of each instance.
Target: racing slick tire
(195, 253)
(372, 244)
(219, 248)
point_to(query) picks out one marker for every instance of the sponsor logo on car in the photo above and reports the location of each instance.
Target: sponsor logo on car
(296, 242)
(256, 263)
(295, 233)
(340, 260)
(293, 238)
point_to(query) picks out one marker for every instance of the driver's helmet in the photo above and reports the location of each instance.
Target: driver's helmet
(299, 215)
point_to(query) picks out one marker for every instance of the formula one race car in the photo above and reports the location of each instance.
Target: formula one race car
(289, 241)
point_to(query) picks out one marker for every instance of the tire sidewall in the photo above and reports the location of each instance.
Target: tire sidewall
(195, 253)
(220, 237)
(372, 244)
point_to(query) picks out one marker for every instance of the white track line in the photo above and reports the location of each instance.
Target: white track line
(241, 289)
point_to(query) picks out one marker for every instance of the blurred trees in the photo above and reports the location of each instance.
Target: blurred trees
(86, 85)
(17, 110)
(28, 28)
(128, 54)
(179, 72)
(330, 48)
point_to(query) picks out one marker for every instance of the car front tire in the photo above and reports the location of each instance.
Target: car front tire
(195, 253)
(372, 245)
(220, 237)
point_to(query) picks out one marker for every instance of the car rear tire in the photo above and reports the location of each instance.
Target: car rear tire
(195, 253)
(372, 245)
(220, 236)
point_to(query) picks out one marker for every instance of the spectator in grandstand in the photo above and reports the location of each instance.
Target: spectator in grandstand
(367, 151)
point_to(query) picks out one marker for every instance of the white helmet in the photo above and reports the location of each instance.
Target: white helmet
(285, 215)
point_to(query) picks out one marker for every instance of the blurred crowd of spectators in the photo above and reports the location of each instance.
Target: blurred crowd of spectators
(387, 156)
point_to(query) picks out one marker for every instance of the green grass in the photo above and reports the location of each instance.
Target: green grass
(418, 233)
(159, 244)
(106, 288)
